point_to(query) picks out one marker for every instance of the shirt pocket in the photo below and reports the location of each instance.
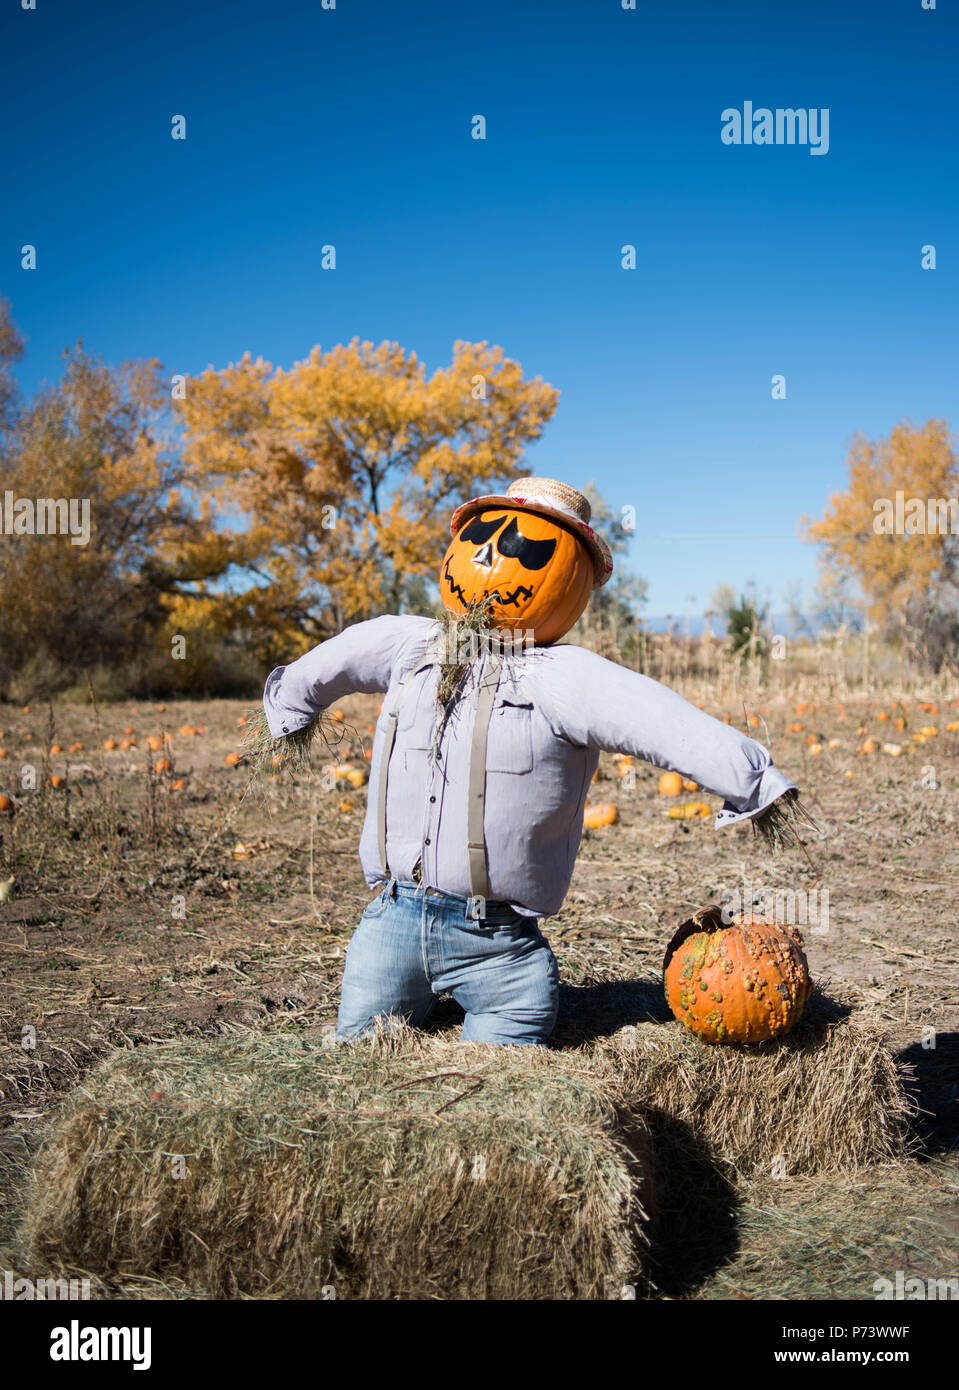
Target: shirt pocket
(411, 699)
(509, 745)
(416, 761)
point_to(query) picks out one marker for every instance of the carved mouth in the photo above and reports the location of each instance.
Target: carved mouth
(504, 600)
(513, 597)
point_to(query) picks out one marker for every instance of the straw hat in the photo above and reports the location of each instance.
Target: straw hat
(559, 502)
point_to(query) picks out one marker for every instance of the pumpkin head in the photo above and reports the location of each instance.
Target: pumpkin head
(741, 983)
(538, 574)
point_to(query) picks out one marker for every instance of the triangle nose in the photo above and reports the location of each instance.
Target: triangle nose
(484, 556)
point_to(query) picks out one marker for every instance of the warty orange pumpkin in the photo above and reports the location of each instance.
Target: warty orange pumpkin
(743, 982)
(538, 574)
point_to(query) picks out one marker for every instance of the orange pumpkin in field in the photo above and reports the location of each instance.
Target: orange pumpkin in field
(537, 572)
(670, 784)
(690, 810)
(743, 982)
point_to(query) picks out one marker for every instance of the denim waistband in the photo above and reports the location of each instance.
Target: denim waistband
(475, 909)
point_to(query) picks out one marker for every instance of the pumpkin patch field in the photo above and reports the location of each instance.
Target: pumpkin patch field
(153, 898)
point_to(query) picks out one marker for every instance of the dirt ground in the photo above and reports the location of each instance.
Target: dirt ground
(151, 904)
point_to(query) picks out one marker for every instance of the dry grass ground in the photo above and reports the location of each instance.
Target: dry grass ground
(136, 919)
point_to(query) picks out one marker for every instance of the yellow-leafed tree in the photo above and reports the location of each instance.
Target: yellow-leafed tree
(895, 532)
(90, 590)
(334, 479)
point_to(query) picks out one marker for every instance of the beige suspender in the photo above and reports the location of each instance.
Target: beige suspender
(389, 739)
(476, 804)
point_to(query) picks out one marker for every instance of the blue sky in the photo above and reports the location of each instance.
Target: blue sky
(352, 126)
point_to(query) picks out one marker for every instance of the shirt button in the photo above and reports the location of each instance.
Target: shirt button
(426, 841)
(432, 798)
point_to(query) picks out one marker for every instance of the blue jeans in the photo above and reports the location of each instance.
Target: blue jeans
(413, 943)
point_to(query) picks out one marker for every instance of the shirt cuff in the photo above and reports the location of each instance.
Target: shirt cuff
(769, 788)
(283, 718)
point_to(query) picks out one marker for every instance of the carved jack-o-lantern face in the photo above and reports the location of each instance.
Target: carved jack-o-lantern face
(539, 574)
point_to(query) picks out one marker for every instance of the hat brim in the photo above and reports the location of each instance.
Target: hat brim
(599, 551)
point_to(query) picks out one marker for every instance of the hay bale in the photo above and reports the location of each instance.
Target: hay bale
(827, 1098)
(404, 1167)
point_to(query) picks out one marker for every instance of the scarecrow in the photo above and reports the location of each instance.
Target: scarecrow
(487, 740)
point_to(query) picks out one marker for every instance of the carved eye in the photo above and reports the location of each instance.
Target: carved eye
(533, 555)
(479, 531)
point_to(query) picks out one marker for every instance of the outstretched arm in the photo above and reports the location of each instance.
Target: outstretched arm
(599, 704)
(360, 658)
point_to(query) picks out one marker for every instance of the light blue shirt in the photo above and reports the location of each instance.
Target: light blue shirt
(556, 708)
